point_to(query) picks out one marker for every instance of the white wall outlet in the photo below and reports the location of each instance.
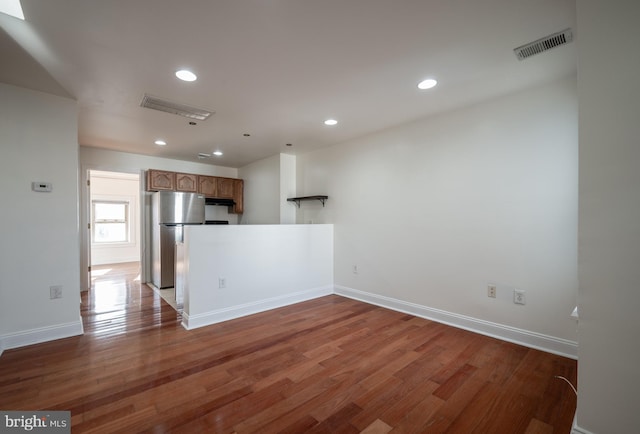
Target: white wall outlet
(354, 269)
(491, 291)
(222, 282)
(519, 297)
(55, 292)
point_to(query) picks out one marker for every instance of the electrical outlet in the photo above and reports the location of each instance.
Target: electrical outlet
(55, 292)
(222, 282)
(355, 269)
(519, 297)
(491, 291)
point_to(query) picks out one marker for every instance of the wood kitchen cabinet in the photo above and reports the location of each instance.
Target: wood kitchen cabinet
(160, 180)
(238, 196)
(225, 188)
(214, 186)
(207, 185)
(186, 182)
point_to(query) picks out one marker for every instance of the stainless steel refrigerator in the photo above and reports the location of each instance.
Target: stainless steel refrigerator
(171, 211)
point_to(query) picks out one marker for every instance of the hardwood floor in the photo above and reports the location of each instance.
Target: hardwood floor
(330, 365)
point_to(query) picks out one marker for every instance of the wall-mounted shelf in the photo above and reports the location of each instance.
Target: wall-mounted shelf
(297, 200)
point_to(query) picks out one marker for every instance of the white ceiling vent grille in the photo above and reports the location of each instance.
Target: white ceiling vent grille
(186, 111)
(544, 44)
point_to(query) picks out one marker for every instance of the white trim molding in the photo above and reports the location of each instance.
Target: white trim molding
(577, 430)
(40, 335)
(191, 322)
(527, 338)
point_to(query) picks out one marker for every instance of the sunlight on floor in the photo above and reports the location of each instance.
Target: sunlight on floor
(115, 287)
(107, 295)
(98, 273)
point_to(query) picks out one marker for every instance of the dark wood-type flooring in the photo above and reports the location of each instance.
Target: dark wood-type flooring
(330, 365)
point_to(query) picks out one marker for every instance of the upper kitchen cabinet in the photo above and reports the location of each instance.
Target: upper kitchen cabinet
(225, 188)
(160, 180)
(207, 185)
(186, 182)
(238, 196)
(214, 186)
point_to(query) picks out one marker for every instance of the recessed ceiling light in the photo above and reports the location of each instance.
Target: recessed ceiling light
(217, 153)
(186, 75)
(12, 7)
(427, 84)
(160, 142)
(330, 122)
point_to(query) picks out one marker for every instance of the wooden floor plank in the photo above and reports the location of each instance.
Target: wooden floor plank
(377, 427)
(331, 365)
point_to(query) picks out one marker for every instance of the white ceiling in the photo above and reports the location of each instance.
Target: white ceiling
(275, 69)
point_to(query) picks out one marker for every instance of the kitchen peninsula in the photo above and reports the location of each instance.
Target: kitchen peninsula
(229, 271)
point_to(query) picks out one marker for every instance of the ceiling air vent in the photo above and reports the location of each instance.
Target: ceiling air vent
(544, 44)
(162, 105)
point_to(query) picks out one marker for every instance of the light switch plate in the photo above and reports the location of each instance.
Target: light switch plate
(44, 187)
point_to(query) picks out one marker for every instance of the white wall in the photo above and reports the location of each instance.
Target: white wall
(261, 191)
(267, 185)
(433, 211)
(264, 266)
(113, 186)
(609, 254)
(287, 188)
(102, 159)
(39, 231)
(218, 212)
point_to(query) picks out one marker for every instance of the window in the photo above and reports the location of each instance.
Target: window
(110, 221)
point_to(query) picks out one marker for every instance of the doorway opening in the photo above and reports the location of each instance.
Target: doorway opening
(114, 231)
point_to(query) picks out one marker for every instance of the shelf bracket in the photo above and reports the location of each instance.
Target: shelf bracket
(297, 200)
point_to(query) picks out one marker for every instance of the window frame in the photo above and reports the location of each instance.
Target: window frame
(127, 221)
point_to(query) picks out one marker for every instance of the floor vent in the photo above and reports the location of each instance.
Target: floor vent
(544, 44)
(151, 102)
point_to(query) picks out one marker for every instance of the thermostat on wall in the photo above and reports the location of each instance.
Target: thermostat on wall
(41, 186)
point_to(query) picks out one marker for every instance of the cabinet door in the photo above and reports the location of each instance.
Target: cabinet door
(186, 182)
(238, 196)
(160, 180)
(207, 185)
(225, 188)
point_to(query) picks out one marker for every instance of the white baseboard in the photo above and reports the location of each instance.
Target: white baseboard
(190, 322)
(577, 430)
(529, 339)
(40, 335)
